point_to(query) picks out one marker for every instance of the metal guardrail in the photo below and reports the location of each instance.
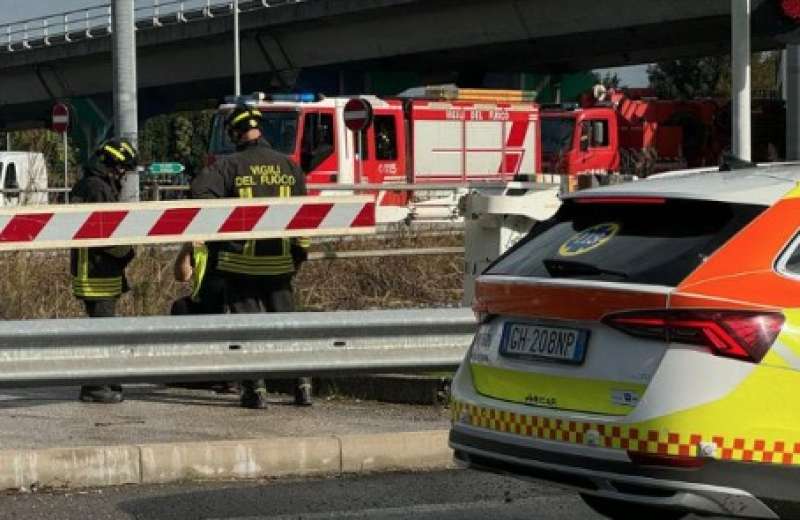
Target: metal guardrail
(96, 21)
(231, 347)
(385, 253)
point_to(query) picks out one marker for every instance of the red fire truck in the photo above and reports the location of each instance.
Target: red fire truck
(443, 136)
(620, 132)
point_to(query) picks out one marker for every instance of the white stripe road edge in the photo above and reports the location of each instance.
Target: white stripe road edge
(411, 510)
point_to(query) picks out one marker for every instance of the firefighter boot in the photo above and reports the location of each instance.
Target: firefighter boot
(302, 393)
(107, 394)
(254, 394)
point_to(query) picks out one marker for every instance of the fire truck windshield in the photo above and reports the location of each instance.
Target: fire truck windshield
(557, 134)
(279, 128)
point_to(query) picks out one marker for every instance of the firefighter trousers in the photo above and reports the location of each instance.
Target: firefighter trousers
(253, 294)
(105, 308)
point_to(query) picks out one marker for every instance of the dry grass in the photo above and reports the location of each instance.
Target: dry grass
(37, 284)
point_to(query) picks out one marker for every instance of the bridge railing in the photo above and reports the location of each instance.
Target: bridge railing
(96, 21)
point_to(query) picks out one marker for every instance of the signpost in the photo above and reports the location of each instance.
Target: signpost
(60, 118)
(166, 168)
(358, 117)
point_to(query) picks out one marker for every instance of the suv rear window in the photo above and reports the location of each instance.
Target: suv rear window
(652, 243)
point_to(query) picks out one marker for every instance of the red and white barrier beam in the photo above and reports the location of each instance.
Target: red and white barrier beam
(89, 225)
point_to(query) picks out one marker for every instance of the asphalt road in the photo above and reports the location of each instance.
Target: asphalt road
(450, 495)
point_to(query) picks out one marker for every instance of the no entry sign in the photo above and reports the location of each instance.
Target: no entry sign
(60, 118)
(357, 114)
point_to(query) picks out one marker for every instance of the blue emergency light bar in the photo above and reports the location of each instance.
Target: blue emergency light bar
(257, 97)
(302, 97)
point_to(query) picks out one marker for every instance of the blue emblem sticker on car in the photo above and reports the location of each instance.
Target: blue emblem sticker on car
(589, 239)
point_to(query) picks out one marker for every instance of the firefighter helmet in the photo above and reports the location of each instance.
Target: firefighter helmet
(118, 153)
(241, 119)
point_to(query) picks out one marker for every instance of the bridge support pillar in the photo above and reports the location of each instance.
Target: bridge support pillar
(125, 94)
(740, 74)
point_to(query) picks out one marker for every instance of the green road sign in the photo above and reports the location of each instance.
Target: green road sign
(165, 168)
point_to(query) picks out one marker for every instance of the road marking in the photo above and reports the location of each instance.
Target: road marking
(411, 510)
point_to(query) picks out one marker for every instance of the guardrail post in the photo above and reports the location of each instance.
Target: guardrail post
(156, 13)
(9, 45)
(181, 17)
(45, 32)
(66, 29)
(88, 25)
(207, 10)
(25, 43)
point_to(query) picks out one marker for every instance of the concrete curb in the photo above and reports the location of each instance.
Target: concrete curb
(223, 460)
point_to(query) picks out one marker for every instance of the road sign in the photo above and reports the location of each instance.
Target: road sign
(60, 118)
(357, 114)
(166, 168)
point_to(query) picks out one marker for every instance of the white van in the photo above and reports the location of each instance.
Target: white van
(24, 171)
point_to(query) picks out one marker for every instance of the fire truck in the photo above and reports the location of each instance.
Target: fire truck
(623, 132)
(437, 136)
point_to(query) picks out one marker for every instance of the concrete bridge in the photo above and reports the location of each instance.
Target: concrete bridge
(350, 46)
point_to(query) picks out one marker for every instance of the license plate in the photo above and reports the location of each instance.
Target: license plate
(539, 342)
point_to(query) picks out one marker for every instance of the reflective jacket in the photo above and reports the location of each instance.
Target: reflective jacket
(98, 272)
(255, 170)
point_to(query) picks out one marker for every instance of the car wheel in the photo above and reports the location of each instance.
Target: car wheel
(618, 509)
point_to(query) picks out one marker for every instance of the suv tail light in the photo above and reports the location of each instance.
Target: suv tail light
(742, 335)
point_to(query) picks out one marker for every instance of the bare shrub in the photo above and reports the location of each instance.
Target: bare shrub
(37, 284)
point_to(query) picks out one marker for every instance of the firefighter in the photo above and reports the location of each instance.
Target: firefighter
(98, 273)
(207, 297)
(258, 273)
(208, 290)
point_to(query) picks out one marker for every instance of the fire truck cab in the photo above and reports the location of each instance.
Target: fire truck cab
(310, 130)
(452, 137)
(622, 134)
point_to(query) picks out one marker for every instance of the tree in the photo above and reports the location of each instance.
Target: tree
(609, 79)
(711, 77)
(688, 78)
(51, 145)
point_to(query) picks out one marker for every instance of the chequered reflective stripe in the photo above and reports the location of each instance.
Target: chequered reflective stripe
(625, 437)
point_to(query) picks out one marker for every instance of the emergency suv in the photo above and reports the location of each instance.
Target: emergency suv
(438, 136)
(643, 347)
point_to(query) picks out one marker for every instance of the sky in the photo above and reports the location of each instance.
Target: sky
(13, 10)
(632, 76)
